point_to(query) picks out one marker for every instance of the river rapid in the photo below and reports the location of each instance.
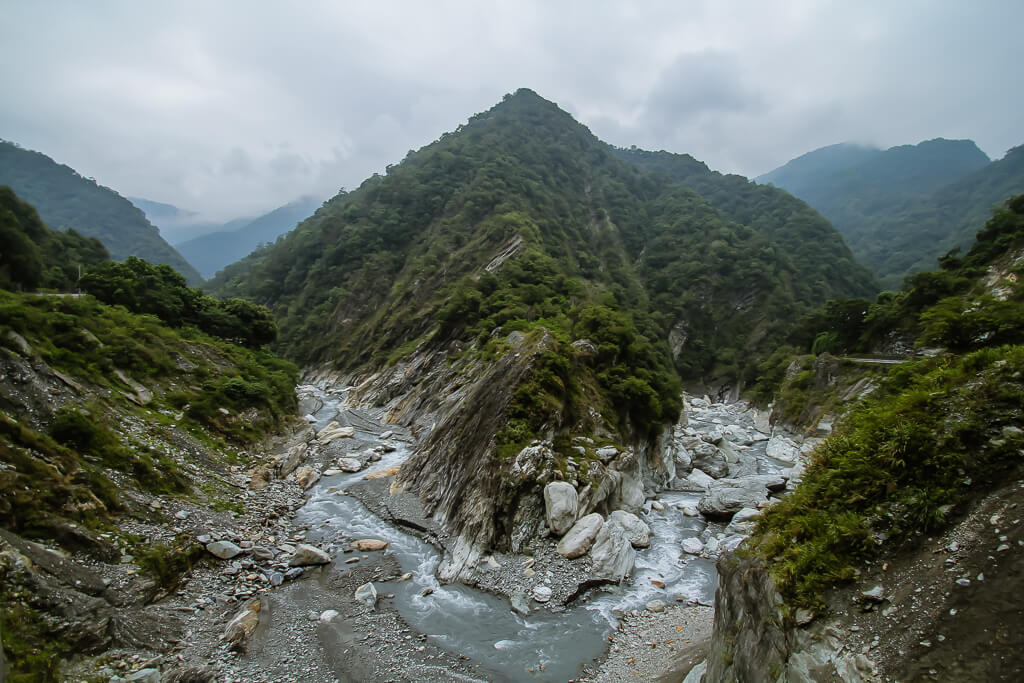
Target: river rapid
(548, 645)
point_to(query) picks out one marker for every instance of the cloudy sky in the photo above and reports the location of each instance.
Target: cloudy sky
(232, 108)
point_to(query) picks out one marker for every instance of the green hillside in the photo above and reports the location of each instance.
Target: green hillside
(902, 208)
(65, 200)
(521, 218)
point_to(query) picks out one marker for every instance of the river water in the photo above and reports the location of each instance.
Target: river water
(481, 625)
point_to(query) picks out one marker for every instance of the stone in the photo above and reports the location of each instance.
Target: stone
(144, 676)
(349, 465)
(386, 435)
(293, 573)
(692, 546)
(657, 506)
(874, 594)
(581, 536)
(383, 472)
(541, 593)
(804, 616)
(332, 472)
(612, 553)
(241, 627)
(332, 432)
(327, 616)
(276, 578)
(782, 448)
(367, 544)
(636, 529)
(520, 604)
(689, 510)
(561, 504)
(306, 476)
(181, 514)
(606, 453)
(367, 594)
(730, 543)
(699, 478)
(656, 606)
(225, 550)
(746, 515)
(710, 459)
(306, 555)
(726, 497)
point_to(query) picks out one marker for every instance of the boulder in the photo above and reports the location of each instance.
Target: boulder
(225, 550)
(746, 515)
(637, 531)
(241, 627)
(656, 606)
(147, 675)
(782, 448)
(710, 459)
(349, 465)
(327, 616)
(560, 506)
(682, 457)
(519, 602)
(700, 478)
(692, 546)
(306, 555)
(581, 536)
(728, 496)
(306, 476)
(542, 593)
(367, 594)
(631, 494)
(367, 544)
(332, 432)
(612, 553)
(383, 473)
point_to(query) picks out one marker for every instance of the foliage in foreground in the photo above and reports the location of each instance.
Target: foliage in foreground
(938, 433)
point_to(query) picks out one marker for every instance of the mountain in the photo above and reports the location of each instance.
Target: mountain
(531, 302)
(211, 252)
(64, 199)
(178, 225)
(36, 257)
(374, 268)
(902, 208)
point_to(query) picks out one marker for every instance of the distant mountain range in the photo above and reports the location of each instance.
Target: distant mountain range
(65, 199)
(209, 253)
(900, 209)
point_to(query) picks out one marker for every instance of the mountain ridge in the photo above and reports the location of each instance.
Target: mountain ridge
(66, 199)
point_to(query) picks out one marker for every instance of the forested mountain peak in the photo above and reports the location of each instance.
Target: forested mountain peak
(521, 216)
(66, 200)
(896, 207)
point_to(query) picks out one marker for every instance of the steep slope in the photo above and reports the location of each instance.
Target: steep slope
(64, 199)
(902, 208)
(35, 256)
(906, 512)
(515, 282)
(209, 253)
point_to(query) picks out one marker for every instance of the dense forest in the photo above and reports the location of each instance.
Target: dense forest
(522, 219)
(901, 209)
(65, 200)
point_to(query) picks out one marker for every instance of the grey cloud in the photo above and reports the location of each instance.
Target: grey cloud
(234, 107)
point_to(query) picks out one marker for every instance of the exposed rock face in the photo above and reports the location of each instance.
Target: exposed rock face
(613, 554)
(581, 536)
(560, 506)
(752, 643)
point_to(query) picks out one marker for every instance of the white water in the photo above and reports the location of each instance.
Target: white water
(482, 626)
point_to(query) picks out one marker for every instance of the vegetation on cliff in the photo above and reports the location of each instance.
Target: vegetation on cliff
(938, 433)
